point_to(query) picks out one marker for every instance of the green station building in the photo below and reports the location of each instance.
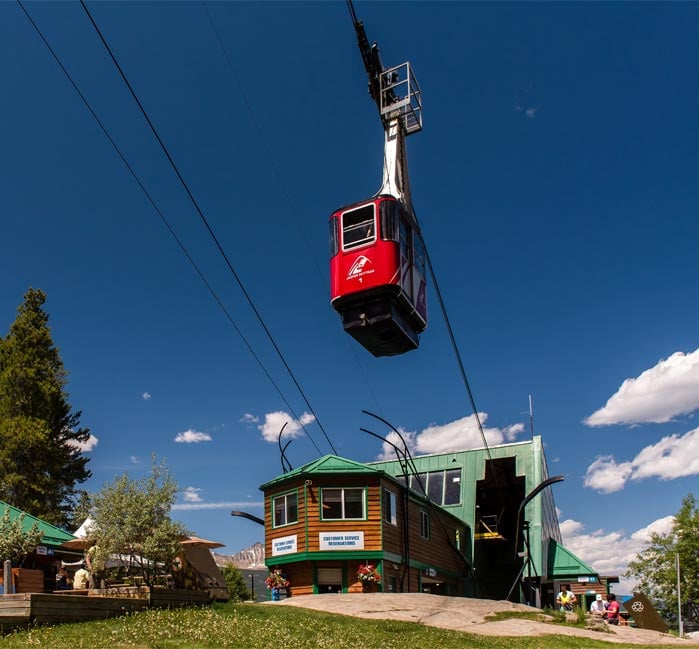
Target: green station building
(505, 495)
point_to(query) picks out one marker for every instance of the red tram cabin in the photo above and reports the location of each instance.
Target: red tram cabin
(377, 275)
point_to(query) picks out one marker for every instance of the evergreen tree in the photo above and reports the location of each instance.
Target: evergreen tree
(40, 458)
(655, 567)
(236, 585)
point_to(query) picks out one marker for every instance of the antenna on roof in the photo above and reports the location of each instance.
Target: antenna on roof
(531, 416)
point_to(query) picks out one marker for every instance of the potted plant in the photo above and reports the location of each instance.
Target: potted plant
(369, 576)
(275, 582)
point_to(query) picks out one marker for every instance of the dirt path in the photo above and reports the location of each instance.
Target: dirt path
(467, 614)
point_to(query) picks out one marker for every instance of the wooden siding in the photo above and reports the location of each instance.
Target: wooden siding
(432, 560)
(309, 514)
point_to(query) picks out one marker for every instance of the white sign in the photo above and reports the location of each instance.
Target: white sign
(284, 545)
(41, 549)
(341, 540)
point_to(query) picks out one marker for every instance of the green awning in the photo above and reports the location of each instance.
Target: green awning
(52, 535)
(563, 564)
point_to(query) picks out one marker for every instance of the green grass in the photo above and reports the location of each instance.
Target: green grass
(248, 626)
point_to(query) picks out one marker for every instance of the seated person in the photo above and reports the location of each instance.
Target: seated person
(612, 609)
(81, 579)
(62, 580)
(598, 606)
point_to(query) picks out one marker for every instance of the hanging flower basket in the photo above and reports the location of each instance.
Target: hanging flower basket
(369, 576)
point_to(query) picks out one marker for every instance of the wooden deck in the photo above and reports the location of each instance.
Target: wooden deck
(54, 608)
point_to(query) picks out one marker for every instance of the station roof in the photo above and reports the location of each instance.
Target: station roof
(563, 564)
(52, 535)
(326, 465)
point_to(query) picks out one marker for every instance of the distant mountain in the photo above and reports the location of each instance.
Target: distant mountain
(247, 559)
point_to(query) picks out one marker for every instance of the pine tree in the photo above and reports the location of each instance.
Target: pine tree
(40, 456)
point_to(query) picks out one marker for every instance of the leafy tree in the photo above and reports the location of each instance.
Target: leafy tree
(15, 542)
(235, 582)
(40, 438)
(655, 566)
(131, 517)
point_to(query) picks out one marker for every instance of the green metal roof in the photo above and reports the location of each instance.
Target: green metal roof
(563, 564)
(52, 535)
(326, 465)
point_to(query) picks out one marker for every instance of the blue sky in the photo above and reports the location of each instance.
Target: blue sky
(555, 182)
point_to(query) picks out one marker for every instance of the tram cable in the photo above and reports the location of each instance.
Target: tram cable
(151, 200)
(208, 227)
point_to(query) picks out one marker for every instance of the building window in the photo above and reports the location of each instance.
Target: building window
(452, 487)
(441, 487)
(435, 487)
(390, 511)
(339, 504)
(424, 524)
(285, 509)
(418, 483)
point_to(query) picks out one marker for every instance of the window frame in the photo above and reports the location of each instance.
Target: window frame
(424, 524)
(285, 497)
(390, 507)
(366, 223)
(343, 503)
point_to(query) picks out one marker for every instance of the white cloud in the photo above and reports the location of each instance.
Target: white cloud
(388, 452)
(191, 494)
(134, 459)
(609, 553)
(531, 112)
(275, 420)
(86, 446)
(247, 418)
(660, 393)
(146, 396)
(674, 456)
(458, 435)
(192, 437)
(218, 505)
(605, 475)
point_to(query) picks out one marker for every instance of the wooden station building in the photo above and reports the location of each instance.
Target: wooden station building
(479, 523)
(327, 518)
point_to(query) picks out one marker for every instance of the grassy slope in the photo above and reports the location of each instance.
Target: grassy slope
(264, 627)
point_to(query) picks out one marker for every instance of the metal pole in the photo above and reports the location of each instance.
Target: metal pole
(252, 586)
(529, 568)
(679, 595)
(9, 585)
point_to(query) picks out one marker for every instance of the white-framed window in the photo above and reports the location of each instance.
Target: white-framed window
(343, 504)
(424, 524)
(358, 226)
(285, 509)
(441, 487)
(390, 508)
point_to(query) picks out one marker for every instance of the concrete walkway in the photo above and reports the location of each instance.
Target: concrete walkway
(467, 614)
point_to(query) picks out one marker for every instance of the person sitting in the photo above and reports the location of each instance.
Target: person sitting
(598, 607)
(612, 609)
(81, 579)
(565, 599)
(62, 581)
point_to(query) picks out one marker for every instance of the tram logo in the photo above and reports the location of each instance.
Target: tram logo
(362, 266)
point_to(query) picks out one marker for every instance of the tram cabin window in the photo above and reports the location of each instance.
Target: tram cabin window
(334, 249)
(358, 227)
(389, 212)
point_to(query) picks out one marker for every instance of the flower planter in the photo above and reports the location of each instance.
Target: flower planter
(369, 587)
